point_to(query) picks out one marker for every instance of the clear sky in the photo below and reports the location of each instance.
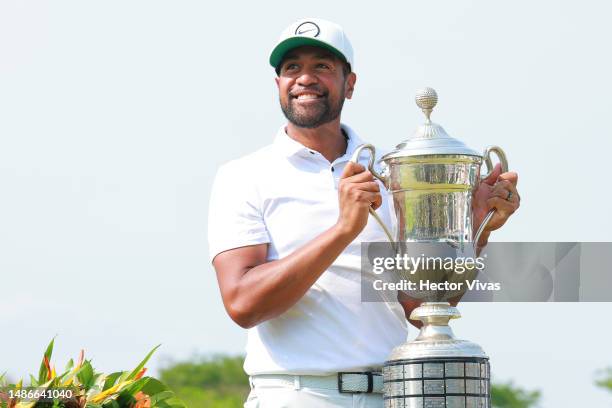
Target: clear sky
(115, 115)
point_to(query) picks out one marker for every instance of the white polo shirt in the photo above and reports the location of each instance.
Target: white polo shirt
(285, 195)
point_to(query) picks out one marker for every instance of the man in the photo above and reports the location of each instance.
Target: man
(285, 228)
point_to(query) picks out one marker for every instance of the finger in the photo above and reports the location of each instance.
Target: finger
(378, 202)
(362, 177)
(498, 220)
(492, 178)
(503, 188)
(503, 211)
(351, 169)
(510, 176)
(504, 207)
(371, 186)
(366, 196)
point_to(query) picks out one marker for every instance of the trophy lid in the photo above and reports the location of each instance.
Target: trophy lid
(429, 138)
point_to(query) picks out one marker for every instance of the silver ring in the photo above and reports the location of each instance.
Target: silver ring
(509, 196)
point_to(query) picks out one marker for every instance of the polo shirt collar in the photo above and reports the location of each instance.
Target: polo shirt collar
(290, 147)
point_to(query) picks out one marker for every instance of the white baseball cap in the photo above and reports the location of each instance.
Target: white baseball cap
(315, 32)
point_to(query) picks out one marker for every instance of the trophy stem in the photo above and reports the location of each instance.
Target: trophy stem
(435, 317)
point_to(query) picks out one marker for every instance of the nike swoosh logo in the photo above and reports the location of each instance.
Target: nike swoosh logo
(305, 31)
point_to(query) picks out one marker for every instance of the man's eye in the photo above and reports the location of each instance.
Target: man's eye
(290, 67)
(323, 66)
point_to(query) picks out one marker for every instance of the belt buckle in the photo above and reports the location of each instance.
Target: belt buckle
(370, 383)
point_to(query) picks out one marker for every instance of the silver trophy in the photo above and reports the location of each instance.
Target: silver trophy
(432, 178)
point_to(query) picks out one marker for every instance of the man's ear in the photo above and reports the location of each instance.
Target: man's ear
(350, 85)
(277, 80)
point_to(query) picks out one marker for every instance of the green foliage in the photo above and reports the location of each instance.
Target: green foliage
(214, 382)
(80, 386)
(606, 379)
(510, 396)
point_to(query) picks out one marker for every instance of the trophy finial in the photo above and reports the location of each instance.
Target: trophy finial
(426, 99)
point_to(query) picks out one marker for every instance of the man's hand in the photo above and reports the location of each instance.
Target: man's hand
(357, 192)
(498, 191)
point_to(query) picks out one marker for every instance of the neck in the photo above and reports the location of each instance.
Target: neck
(326, 139)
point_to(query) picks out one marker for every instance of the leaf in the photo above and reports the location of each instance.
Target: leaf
(110, 380)
(69, 365)
(86, 375)
(154, 387)
(63, 377)
(170, 403)
(112, 390)
(142, 363)
(43, 372)
(126, 399)
(136, 386)
(164, 395)
(111, 404)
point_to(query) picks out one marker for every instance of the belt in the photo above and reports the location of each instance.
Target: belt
(352, 383)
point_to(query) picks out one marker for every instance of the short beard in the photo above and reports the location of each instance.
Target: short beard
(325, 114)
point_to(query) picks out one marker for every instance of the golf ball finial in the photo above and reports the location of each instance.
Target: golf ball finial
(426, 99)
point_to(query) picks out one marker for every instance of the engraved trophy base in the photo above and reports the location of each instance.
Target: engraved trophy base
(436, 370)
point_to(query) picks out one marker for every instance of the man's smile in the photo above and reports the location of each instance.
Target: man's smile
(307, 96)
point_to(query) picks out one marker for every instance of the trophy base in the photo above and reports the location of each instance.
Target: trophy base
(437, 383)
(436, 370)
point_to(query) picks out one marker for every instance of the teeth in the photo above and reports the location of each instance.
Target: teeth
(307, 96)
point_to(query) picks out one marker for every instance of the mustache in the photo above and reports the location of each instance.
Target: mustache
(314, 89)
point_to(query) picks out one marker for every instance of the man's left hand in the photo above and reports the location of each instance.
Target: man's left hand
(498, 191)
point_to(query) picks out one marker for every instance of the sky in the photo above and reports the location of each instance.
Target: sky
(115, 115)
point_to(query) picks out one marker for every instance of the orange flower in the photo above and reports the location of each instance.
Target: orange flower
(142, 400)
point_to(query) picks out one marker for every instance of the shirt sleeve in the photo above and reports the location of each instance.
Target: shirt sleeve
(234, 215)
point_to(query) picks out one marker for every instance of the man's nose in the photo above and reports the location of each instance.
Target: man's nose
(307, 78)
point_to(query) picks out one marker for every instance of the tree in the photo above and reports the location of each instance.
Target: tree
(213, 382)
(606, 379)
(507, 395)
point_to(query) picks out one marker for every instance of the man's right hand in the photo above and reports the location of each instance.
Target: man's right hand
(357, 192)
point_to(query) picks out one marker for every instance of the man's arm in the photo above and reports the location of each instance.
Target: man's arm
(254, 290)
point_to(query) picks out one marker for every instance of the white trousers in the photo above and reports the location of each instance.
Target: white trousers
(279, 394)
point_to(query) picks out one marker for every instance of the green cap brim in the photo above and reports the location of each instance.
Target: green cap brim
(290, 43)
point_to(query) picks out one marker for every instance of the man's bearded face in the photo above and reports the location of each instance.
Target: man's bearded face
(311, 107)
(312, 87)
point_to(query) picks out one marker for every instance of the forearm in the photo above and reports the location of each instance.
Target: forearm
(267, 290)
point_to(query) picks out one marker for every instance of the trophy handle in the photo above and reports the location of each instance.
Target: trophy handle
(504, 168)
(355, 159)
(487, 160)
